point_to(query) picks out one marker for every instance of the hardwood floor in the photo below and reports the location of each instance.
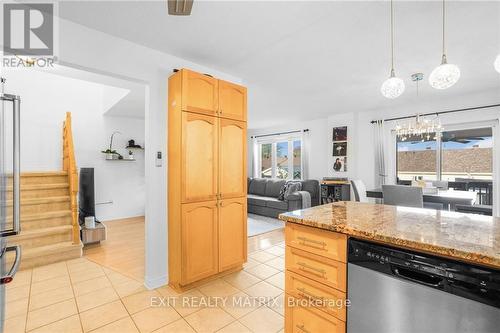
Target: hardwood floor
(123, 250)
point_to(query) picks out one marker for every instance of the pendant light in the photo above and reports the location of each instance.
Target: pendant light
(393, 87)
(497, 63)
(445, 75)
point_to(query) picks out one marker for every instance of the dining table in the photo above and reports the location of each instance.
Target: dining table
(448, 198)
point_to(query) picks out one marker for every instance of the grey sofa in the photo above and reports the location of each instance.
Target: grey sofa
(263, 196)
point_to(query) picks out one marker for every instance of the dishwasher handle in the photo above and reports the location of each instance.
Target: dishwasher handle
(419, 277)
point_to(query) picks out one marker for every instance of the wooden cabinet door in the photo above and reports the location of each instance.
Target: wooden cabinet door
(199, 241)
(199, 157)
(232, 158)
(232, 233)
(232, 101)
(300, 319)
(199, 93)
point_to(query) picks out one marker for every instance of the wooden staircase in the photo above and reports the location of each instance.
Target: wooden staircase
(49, 222)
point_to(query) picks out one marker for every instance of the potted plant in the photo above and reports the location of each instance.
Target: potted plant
(112, 154)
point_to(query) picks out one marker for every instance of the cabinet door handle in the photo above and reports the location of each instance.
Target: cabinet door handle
(306, 240)
(311, 296)
(302, 328)
(304, 266)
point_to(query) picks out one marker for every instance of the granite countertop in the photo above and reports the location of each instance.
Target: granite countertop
(466, 237)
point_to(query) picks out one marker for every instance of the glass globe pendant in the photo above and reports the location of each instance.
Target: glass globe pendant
(445, 75)
(393, 87)
(497, 63)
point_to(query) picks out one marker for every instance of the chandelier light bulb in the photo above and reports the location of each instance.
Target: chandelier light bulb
(497, 63)
(445, 75)
(393, 87)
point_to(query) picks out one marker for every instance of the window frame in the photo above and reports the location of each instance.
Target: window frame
(439, 155)
(274, 141)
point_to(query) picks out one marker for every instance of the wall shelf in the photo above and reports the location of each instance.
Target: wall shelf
(124, 159)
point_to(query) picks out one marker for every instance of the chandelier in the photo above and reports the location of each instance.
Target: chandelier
(421, 128)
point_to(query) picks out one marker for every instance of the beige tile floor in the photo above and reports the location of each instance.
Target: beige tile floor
(83, 296)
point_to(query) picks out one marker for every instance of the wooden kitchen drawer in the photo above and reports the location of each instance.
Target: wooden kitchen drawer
(329, 244)
(310, 320)
(330, 272)
(329, 300)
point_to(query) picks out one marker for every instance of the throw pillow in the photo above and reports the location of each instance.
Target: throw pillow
(292, 188)
(282, 192)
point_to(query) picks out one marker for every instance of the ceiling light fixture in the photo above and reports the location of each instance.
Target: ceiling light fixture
(393, 87)
(420, 128)
(445, 75)
(497, 63)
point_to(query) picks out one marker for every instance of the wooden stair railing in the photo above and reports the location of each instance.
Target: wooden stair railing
(69, 165)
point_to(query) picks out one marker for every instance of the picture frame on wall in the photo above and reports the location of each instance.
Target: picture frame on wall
(340, 164)
(339, 149)
(339, 133)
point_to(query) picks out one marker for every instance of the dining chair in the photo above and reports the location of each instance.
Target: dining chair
(402, 195)
(359, 189)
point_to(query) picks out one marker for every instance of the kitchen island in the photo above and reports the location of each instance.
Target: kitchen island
(317, 251)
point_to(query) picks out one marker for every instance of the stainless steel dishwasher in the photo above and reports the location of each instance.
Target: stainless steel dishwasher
(394, 290)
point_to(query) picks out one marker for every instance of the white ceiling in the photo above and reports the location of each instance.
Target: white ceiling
(306, 60)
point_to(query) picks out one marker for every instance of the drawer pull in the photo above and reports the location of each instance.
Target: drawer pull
(305, 266)
(306, 240)
(302, 328)
(307, 294)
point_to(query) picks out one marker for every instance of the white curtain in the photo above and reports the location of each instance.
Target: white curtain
(380, 158)
(255, 158)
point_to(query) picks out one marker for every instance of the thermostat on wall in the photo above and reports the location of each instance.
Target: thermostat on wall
(158, 159)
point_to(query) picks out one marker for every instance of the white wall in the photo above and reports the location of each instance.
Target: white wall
(45, 100)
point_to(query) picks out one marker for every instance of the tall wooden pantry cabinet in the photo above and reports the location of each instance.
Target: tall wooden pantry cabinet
(207, 186)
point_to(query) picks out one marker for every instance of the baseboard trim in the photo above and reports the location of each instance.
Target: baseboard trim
(155, 282)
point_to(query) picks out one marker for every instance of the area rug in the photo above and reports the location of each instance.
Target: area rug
(261, 224)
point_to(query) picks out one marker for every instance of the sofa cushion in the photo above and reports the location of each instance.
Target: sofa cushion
(256, 200)
(273, 188)
(311, 186)
(257, 186)
(277, 204)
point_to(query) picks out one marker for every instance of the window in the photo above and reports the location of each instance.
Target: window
(297, 159)
(281, 158)
(462, 157)
(464, 153)
(265, 160)
(467, 154)
(416, 158)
